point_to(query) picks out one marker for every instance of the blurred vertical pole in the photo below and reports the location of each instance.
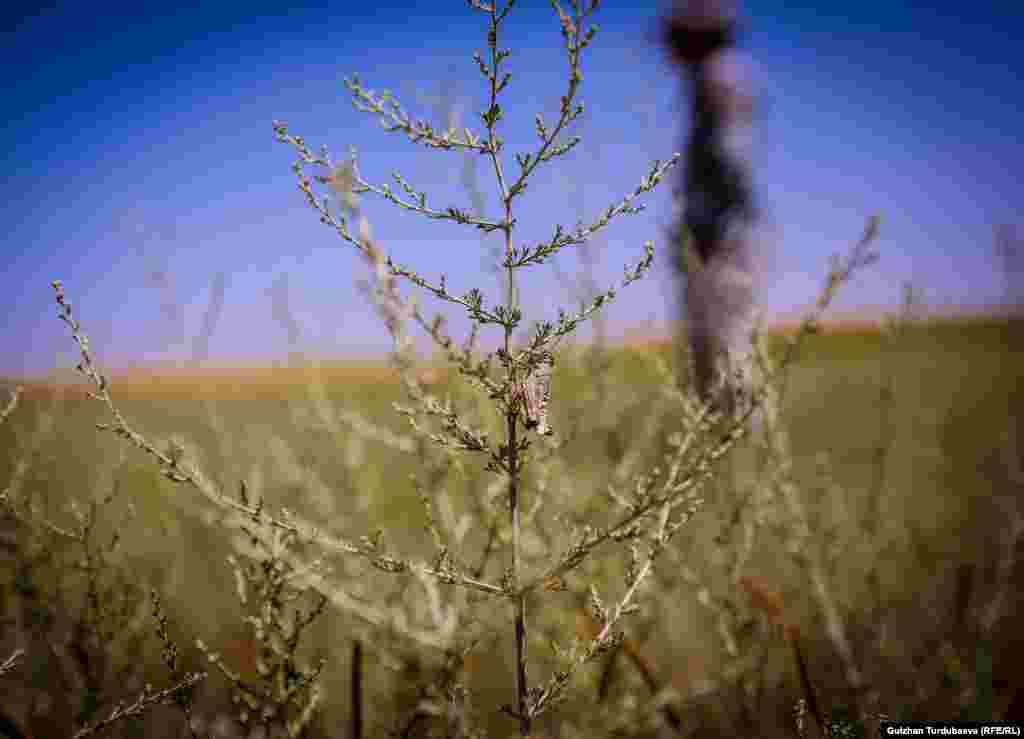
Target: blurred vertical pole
(356, 686)
(715, 235)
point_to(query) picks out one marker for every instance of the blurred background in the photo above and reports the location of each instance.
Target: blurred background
(141, 168)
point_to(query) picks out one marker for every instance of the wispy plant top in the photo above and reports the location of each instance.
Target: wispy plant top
(346, 183)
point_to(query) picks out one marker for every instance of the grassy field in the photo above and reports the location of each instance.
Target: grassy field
(907, 453)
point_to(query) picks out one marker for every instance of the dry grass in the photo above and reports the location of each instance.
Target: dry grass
(333, 548)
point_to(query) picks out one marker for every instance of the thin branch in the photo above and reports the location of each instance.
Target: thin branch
(11, 662)
(173, 468)
(11, 404)
(142, 704)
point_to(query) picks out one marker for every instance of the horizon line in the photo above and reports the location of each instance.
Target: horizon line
(639, 334)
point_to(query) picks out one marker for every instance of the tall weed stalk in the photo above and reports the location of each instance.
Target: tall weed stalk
(512, 526)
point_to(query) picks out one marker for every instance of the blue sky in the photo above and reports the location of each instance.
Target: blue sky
(139, 160)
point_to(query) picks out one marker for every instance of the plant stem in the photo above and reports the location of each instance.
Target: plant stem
(513, 502)
(513, 473)
(357, 690)
(512, 448)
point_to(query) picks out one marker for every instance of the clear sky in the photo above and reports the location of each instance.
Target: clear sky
(140, 162)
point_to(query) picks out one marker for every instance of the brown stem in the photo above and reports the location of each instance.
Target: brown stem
(520, 614)
(357, 689)
(805, 682)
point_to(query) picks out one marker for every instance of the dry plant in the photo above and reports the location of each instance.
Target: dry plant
(523, 547)
(72, 628)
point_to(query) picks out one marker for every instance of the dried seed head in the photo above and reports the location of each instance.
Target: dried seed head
(535, 393)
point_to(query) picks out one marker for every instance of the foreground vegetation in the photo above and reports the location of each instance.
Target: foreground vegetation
(932, 421)
(543, 540)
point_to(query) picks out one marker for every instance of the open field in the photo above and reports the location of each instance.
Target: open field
(908, 453)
